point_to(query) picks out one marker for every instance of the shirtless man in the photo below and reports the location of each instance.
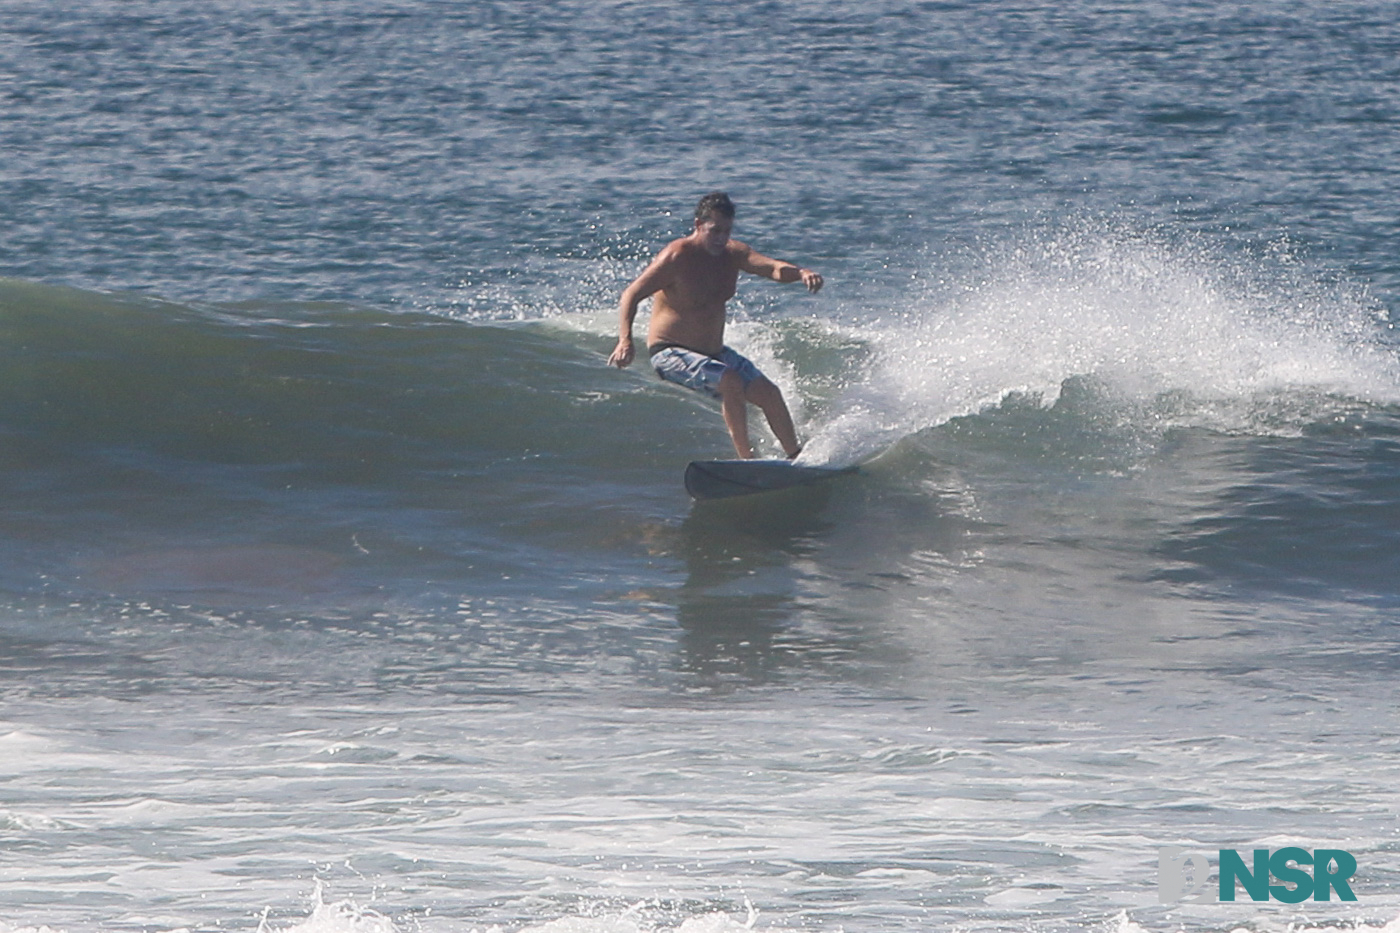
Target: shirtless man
(692, 278)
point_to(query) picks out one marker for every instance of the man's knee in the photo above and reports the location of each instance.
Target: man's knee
(763, 393)
(731, 383)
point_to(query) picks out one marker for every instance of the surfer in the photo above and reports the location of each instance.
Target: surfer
(692, 278)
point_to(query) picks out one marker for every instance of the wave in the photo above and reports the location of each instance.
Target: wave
(1121, 327)
(268, 449)
(276, 448)
(1172, 334)
(343, 389)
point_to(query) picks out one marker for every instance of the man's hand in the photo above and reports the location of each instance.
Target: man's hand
(812, 280)
(623, 353)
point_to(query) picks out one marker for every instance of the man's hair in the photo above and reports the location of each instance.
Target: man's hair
(716, 202)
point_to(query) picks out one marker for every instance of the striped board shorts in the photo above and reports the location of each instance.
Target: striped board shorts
(700, 371)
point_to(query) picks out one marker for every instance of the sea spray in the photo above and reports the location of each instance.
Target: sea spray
(1142, 314)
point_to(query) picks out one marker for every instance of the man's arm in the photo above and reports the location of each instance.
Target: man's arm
(654, 278)
(752, 261)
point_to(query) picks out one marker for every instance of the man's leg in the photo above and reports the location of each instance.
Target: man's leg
(769, 398)
(736, 413)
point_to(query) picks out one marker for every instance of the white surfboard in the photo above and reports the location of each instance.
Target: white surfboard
(721, 479)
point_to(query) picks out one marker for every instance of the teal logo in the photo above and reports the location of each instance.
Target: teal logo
(1290, 875)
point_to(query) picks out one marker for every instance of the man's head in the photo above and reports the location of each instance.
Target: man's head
(714, 220)
(713, 205)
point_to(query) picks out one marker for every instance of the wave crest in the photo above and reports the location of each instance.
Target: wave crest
(1137, 312)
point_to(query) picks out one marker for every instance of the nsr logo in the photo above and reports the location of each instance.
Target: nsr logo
(1181, 876)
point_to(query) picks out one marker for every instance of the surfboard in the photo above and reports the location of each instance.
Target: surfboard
(722, 479)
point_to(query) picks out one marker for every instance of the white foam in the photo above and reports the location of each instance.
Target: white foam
(347, 916)
(1123, 923)
(638, 919)
(1141, 315)
(343, 916)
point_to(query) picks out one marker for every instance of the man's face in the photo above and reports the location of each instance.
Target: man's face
(714, 234)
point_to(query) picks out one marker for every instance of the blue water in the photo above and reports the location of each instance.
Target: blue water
(343, 589)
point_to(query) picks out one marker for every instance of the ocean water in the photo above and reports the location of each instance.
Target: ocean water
(344, 589)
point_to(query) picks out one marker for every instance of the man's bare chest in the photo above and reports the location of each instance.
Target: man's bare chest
(703, 285)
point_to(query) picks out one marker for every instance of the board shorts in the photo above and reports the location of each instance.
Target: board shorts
(700, 371)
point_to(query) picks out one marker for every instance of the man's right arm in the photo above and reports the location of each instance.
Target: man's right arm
(654, 278)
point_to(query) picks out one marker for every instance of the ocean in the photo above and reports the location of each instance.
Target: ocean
(345, 589)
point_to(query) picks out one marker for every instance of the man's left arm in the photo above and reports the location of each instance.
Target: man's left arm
(754, 262)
